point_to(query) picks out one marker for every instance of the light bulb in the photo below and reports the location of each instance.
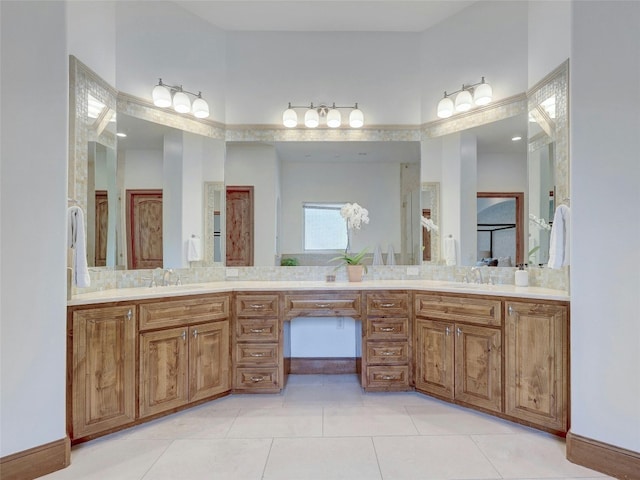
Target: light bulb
(334, 118)
(161, 96)
(200, 108)
(311, 118)
(463, 101)
(356, 118)
(445, 108)
(482, 94)
(181, 102)
(290, 118)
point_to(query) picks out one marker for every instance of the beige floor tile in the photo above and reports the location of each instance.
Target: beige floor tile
(530, 455)
(330, 394)
(223, 459)
(278, 422)
(322, 459)
(111, 458)
(456, 421)
(438, 457)
(367, 421)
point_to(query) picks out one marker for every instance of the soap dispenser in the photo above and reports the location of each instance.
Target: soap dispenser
(522, 276)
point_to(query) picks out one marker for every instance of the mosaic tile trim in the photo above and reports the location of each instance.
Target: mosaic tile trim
(256, 133)
(108, 278)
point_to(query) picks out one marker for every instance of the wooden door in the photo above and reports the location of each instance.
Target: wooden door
(102, 222)
(239, 226)
(434, 357)
(478, 366)
(536, 363)
(208, 360)
(103, 369)
(163, 370)
(144, 228)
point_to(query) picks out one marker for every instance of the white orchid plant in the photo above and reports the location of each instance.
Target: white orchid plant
(539, 222)
(354, 215)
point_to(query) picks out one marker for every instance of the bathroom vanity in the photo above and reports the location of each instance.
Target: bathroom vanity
(140, 353)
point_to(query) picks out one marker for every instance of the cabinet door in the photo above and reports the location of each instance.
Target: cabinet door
(103, 369)
(163, 370)
(536, 363)
(434, 357)
(208, 360)
(478, 366)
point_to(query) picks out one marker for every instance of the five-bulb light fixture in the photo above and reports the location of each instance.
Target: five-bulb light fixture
(313, 114)
(167, 95)
(482, 94)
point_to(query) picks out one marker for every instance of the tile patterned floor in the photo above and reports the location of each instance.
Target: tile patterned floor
(325, 427)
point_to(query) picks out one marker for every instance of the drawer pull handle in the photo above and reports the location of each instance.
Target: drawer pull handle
(387, 329)
(387, 377)
(259, 354)
(387, 305)
(323, 305)
(257, 306)
(387, 353)
(257, 379)
(257, 330)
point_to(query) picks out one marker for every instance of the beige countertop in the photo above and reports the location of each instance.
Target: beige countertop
(140, 293)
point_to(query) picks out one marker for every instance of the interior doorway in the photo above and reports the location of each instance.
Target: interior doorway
(144, 228)
(500, 228)
(240, 228)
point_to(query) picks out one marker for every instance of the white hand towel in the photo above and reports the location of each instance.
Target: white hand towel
(391, 256)
(450, 256)
(559, 241)
(377, 256)
(194, 250)
(76, 241)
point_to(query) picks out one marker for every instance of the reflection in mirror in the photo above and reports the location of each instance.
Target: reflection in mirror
(214, 223)
(383, 177)
(548, 166)
(430, 205)
(500, 231)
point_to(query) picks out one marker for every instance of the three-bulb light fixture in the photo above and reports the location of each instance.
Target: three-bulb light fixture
(479, 94)
(313, 115)
(167, 95)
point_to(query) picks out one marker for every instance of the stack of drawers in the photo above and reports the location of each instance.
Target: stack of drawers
(256, 351)
(386, 343)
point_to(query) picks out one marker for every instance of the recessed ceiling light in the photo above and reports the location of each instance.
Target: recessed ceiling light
(516, 138)
(121, 134)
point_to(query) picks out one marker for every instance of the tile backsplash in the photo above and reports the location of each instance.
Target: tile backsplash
(105, 278)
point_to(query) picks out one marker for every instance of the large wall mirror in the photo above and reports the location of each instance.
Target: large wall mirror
(143, 176)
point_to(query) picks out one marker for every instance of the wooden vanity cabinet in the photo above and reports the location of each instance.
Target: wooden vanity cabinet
(257, 362)
(459, 349)
(536, 363)
(189, 362)
(102, 369)
(386, 345)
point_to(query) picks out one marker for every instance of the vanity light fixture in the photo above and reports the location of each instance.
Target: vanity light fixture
(166, 95)
(478, 93)
(313, 114)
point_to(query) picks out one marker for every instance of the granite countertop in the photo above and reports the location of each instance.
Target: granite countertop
(140, 293)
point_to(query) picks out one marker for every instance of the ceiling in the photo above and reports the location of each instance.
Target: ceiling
(325, 15)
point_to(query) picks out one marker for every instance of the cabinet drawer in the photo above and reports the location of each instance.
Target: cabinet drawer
(256, 378)
(181, 312)
(257, 329)
(387, 328)
(474, 310)
(257, 305)
(322, 305)
(392, 377)
(387, 352)
(257, 354)
(388, 304)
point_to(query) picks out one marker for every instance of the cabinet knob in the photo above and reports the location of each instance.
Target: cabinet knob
(184, 335)
(447, 331)
(195, 333)
(458, 331)
(129, 314)
(510, 310)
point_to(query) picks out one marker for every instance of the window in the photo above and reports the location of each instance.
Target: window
(324, 227)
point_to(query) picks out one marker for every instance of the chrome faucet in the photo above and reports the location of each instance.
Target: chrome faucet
(477, 274)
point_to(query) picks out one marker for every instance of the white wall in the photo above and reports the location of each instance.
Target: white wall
(502, 172)
(33, 206)
(257, 165)
(605, 174)
(549, 37)
(142, 169)
(266, 70)
(488, 39)
(375, 186)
